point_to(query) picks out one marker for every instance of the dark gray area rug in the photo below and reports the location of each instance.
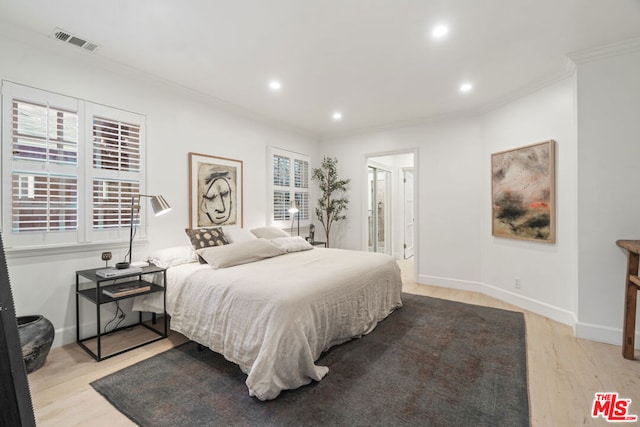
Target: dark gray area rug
(431, 363)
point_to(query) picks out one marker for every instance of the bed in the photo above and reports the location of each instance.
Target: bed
(274, 316)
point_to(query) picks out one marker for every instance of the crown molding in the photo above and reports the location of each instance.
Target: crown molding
(569, 70)
(614, 49)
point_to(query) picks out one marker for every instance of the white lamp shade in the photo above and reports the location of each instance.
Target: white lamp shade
(294, 207)
(159, 205)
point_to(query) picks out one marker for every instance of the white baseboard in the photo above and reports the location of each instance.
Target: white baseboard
(547, 310)
(463, 285)
(603, 334)
(583, 330)
(64, 336)
(552, 312)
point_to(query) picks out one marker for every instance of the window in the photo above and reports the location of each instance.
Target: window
(74, 167)
(116, 164)
(281, 187)
(290, 181)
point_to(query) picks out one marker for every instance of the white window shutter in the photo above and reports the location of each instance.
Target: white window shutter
(290, 181)
(71, 166)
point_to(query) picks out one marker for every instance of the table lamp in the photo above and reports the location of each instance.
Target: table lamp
(159, 206)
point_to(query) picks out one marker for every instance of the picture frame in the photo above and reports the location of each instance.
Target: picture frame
(523, 193)
(215, 191)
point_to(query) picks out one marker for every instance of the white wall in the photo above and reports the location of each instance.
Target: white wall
(609, 206)
(454, 245)
(594, 118)
(448, 181)
(548, 272)
(177, 123)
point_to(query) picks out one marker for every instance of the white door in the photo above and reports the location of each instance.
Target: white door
(408, 212)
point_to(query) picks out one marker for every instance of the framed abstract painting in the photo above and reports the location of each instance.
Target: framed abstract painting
(523, 193)
(215, 191)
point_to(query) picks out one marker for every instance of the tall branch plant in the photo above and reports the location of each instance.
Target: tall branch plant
(332, 204)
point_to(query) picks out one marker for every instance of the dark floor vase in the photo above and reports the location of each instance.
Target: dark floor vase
(36, 336)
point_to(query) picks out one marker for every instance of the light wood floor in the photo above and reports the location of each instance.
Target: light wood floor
(564, 372)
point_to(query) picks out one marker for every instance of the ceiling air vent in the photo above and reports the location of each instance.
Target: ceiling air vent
(67, 37)
(61, 35)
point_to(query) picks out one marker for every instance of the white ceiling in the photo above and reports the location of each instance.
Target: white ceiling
(374, 60)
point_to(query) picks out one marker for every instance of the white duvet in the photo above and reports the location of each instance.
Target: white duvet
(275, 317)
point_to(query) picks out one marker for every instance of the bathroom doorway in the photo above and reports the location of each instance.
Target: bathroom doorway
(390, 208)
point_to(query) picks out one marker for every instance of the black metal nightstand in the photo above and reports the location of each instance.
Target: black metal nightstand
(93, 291)
(314, 243)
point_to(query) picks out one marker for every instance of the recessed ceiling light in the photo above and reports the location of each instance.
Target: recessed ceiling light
(274, 85)
(439, 31)
(466, 87)
(337, 115)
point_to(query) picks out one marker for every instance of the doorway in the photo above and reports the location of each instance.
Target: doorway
(390, 204)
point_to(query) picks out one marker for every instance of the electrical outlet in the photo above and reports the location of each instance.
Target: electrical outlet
(516, 283)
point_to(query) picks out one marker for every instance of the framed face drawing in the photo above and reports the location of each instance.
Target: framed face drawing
(215, 191)
(523, 193)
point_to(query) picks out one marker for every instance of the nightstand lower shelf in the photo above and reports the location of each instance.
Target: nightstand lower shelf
(121, 340)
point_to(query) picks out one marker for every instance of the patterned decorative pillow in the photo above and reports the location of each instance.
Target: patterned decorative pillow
(205, 238)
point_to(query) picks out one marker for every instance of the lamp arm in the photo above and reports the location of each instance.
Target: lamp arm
(160, 206)
(134, 206)
(127, 263)
(131, 228)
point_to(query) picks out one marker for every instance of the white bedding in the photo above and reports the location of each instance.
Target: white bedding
(276, 316)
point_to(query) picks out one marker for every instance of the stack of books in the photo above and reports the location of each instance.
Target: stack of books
(126, 289)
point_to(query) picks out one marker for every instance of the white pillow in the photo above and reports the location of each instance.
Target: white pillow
(269, 232)
(236, 234)
(291, 244)
(170, 257)
(239, 253)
